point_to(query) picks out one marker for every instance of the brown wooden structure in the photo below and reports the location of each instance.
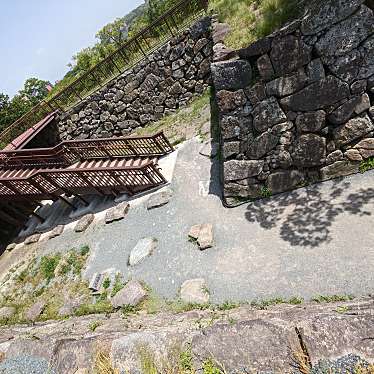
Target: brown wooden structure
(75, 168)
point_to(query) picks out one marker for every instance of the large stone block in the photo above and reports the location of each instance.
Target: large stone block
(355, 105)
(265, 67)
(285, 180)
(352, 130)
(237, 170)
(365, 147)
(318, 95)
(267, 114)
(311, 121)
(132, 294)
(324, 14)
(262, 145)
(285, 86)
(289, 53)
(245, 189)
(259, 344)
(231, 75)
(339, 169)
(257, 48)
(309, 150)
(229, 101)
(346, 35)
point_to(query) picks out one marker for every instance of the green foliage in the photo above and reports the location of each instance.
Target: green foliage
(253, 19)
(48, 266)
(106, 283)
(227, 306)
(265, 192)
(332, 298)
(117, 286)
(209, 367)
(84, 250)
(33, 91)
(94, 325)
(97, 308)
(367, 165)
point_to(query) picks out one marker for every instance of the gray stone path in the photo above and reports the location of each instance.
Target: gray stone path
(315, 240)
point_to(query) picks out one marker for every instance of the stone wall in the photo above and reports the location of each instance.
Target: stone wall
(159, 85)
(295, 107)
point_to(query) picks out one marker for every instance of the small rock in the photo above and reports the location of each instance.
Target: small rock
(353, 155)
(194, 232)
(194, 291)
(117, 213)
(84, 222)
(57, 231)
(32, 239)
(35, 311)
(11, 246)
(205, 239)
(159, 199)
(7, 312)
(143, 249)
(132, 294)
(203, 234)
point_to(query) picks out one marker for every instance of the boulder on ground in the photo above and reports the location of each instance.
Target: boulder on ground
(203, 234)
(194, 291)
(57, 231)
(117, 213)
(11, 246)
(143, 249)
(132, 294)
(159, 199)
(84, 222)
(32, 239)
(7, 312)
(35, 311)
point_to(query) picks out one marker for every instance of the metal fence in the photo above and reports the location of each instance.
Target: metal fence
(133, 51)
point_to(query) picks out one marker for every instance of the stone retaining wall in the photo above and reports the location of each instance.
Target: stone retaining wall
(296, 107)
(162, 83)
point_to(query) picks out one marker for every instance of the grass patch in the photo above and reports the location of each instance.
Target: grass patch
(94, 325)
(32, 282)
(332, 298)
(251, 20)
(117, 285)
(185, 123)
(106, 283)
(100, 307)
(367, 165)
(48, 266)
(266, 192)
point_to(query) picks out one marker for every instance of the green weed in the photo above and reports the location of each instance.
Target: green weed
(367, 165)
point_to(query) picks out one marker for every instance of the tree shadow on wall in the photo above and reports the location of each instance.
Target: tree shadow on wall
(305, 216)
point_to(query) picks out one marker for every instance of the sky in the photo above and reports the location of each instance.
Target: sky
(39, 37)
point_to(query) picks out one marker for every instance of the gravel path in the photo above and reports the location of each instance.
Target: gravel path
(312, 241)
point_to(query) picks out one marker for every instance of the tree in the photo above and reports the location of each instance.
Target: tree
(113, 33)
(4, 101)
(34, 90)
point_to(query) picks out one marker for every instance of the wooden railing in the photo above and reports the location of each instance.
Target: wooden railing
(46, 184)
(69, 152)
(133, 51)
